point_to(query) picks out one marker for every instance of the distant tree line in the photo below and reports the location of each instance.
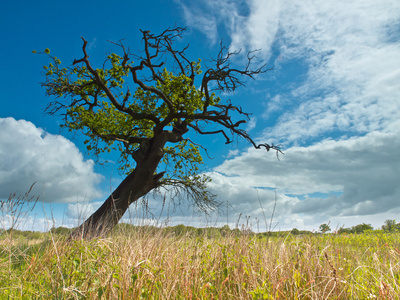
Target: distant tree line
(209, 232)
(389, 226)
(360, 228)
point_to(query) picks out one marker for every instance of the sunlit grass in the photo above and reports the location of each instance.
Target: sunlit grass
(153, 264)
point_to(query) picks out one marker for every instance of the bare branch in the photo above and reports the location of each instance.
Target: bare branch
(201, 146)
(226, 78)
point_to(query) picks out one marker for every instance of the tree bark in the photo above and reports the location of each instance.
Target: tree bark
(137, 184)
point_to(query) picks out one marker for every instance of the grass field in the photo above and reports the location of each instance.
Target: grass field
(147, 263)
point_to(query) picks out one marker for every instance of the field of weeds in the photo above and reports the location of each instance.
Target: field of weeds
(150, 264)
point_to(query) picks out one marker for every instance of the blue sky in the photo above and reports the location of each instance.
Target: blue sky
(332, 101)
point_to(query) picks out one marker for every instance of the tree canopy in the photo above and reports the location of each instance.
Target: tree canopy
(324, 228)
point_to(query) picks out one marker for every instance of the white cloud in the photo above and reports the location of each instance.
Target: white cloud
(251, 124)
(28, 154)
(275, 104)
(251, 24)
(196, 19)
(258, 30)
(232, 153)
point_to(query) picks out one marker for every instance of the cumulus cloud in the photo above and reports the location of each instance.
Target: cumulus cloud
(28, 154)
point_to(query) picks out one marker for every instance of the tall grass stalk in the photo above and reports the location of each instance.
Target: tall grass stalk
(13, 211)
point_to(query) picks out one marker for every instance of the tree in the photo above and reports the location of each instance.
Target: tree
(324, 228)
(360, 228)
(390, 225)
(225, 230)
(345, 230)
(146, 119)
(295, 231)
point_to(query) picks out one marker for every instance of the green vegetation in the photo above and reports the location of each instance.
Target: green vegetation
(360, 228)
(182, 262)
(391, 226)
(324, 228)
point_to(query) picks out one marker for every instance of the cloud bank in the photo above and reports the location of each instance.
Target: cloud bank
(28, 154)
(358, 176)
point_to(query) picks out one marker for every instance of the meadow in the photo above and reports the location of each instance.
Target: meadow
(166, 263)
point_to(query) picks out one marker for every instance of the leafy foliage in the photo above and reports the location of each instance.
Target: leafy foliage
(324, 228)
(391, 226)
(360, 228)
